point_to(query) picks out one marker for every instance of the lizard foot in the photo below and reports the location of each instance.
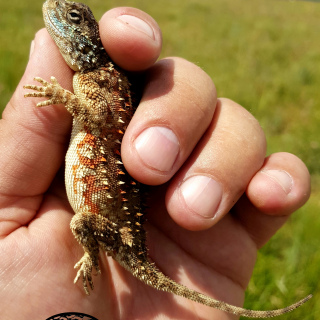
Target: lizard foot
(53, 91)
(86, 265)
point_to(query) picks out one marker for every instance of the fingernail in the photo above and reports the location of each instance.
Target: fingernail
(281, 177)
(31, 49)
(202, 195)
(137, 24)
(158, 147)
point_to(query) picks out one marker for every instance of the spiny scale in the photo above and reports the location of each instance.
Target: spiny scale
(106, 200)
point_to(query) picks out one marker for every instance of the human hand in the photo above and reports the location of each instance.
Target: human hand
(217, 139)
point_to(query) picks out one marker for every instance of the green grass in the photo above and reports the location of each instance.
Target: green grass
(266, 56)
(288, 266)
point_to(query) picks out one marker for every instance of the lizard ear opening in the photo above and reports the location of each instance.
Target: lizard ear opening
(74, 16)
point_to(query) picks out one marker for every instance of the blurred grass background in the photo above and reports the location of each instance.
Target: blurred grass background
(263, 54)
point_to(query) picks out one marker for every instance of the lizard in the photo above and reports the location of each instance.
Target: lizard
(108, 203)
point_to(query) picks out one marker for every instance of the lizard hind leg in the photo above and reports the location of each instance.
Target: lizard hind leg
(90, 230)
(85, 265)
(81, 226)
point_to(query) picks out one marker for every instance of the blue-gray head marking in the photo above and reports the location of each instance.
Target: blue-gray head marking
(76, 32)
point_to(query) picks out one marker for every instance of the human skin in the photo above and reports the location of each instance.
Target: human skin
(205, 240)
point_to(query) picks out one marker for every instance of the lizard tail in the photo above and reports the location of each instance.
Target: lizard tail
(150, 275)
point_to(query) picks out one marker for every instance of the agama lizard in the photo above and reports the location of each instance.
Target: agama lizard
(108, 203)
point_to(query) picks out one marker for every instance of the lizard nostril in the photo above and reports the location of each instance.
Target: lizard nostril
(86, 50)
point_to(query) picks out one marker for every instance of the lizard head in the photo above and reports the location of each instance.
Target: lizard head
(74, 29)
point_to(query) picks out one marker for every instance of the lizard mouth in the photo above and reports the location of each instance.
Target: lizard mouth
(49, 20)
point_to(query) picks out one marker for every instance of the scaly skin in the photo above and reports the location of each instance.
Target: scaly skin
(106, 200)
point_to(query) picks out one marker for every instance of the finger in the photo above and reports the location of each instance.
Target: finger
(280, 187)
(33, 140)
(176, 108)
(219, 169)
(131, 37)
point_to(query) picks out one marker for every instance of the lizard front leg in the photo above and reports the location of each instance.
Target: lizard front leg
(91, 230)
(56, 95)
(52, 90)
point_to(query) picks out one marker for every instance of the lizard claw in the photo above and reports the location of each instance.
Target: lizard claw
(43, 82)
(54, 80)
(85, 266)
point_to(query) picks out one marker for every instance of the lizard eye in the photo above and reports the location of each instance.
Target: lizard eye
(74, 16)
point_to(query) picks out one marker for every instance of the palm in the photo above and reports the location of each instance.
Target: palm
(201, 260)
